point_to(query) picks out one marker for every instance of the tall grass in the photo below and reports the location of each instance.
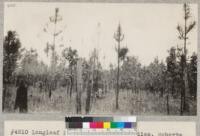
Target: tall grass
(141, 103)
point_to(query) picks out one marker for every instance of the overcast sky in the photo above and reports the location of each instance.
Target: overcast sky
(149, 29)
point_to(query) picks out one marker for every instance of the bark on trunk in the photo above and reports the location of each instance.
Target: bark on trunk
(89, 88)
(117, 91)
(79, 84)
(71, 82)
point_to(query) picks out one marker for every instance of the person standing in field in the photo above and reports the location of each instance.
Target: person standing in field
(21, 101)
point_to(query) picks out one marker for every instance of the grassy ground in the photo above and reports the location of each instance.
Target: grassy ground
(129, 103)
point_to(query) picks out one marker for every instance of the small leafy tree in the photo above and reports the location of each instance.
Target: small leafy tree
(72, 56)
(29, 62)
(130, 70)
(171, 68)
(192, 70)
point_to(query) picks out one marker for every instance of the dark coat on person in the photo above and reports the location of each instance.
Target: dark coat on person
(21, 101)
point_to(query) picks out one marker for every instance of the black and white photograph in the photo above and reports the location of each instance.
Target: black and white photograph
(100, 58)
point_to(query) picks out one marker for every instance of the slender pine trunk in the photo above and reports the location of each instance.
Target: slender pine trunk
(185, 77)
(71, 82)
(117, 92)
(89, 88)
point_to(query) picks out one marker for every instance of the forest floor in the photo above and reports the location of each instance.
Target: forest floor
(130, 103)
